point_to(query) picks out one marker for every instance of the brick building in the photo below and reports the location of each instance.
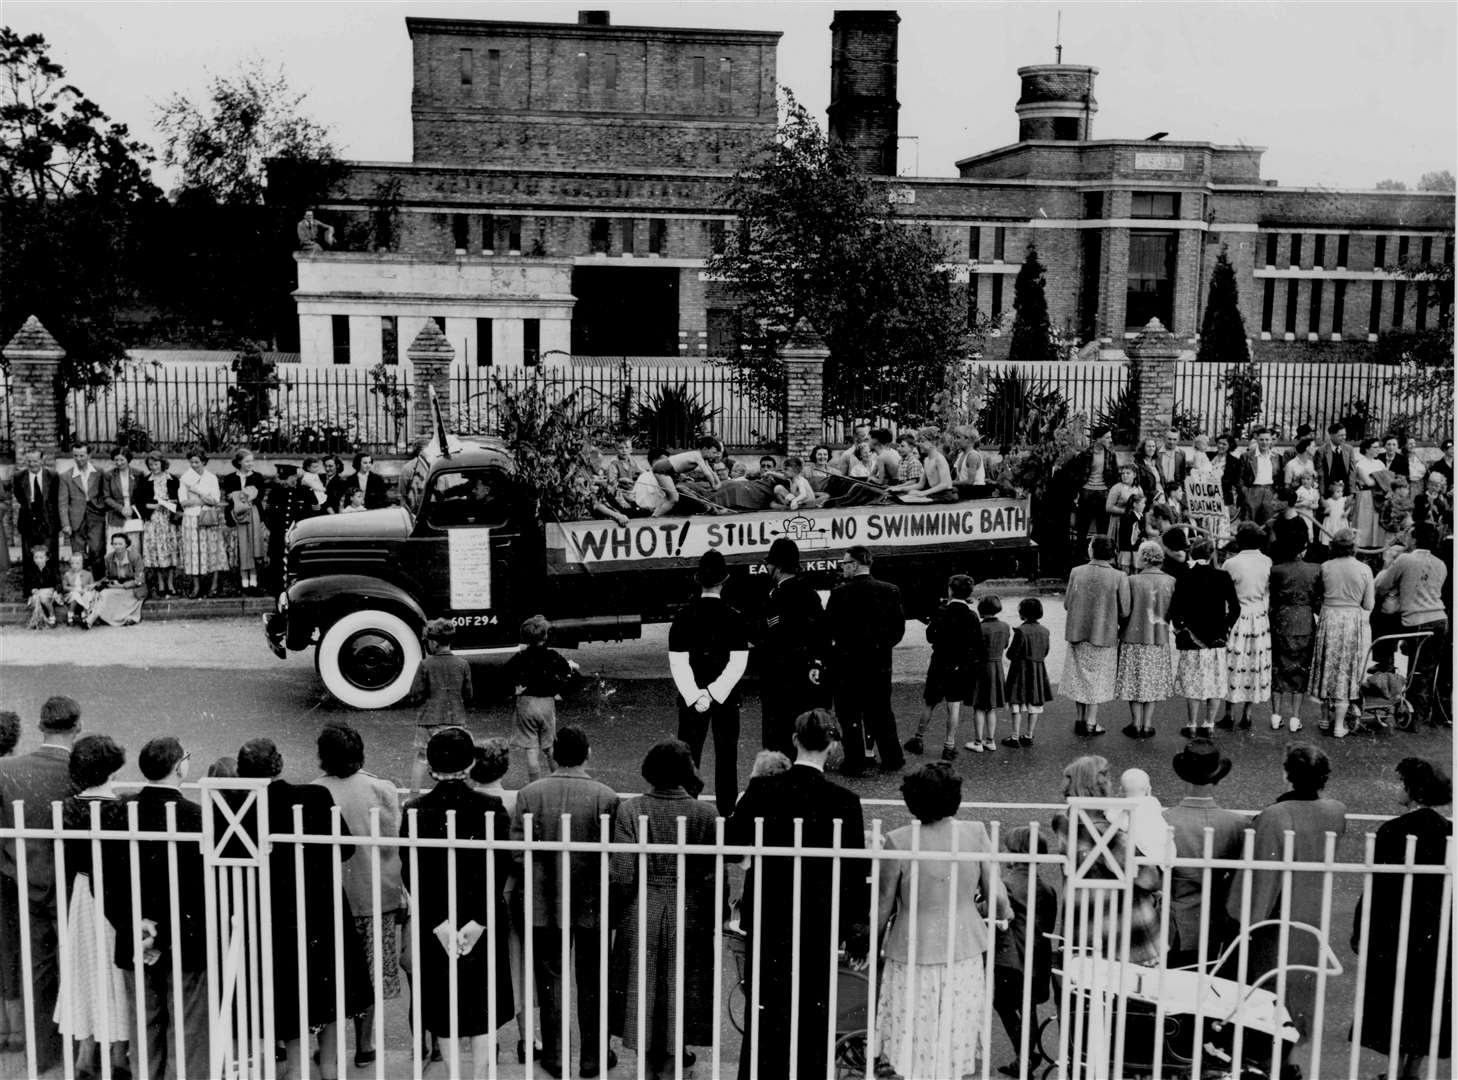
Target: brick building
(562, 198)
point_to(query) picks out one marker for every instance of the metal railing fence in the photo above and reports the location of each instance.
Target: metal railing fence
(1272, 997)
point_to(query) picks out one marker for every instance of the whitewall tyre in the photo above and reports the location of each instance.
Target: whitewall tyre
(368, 659)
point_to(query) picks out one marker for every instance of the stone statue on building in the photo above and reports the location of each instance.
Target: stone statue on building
(314, 235)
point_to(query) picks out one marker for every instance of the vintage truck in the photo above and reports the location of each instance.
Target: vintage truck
(468, 546)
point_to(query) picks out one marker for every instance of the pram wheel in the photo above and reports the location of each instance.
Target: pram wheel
(1402, 716)
(850, 1055)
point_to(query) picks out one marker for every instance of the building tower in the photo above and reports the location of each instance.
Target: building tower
(863, 103)
(1057, 103)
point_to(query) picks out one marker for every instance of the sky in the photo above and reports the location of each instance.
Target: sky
(1340, 94)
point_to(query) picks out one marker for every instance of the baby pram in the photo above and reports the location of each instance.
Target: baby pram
(1384, 695)
(1093, 1022)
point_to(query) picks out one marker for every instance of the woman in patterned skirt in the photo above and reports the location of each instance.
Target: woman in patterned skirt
(1248, 652)
(247, 538)
(1144, 674)
(204, 552)
(157, 501)
(1202, 611)
(1344, 633)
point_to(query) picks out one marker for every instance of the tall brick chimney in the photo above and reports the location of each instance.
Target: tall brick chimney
(594, 18)
(1057, 103)
(863, 103)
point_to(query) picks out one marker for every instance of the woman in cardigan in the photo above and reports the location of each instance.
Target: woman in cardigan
(1096, 602)
(120, 593)
(204, 553)
(1202, 611)
(1248, 652)
(944, 964)
(1144, 676)
(157, 501)
(1295, 600)
(243, 510)
(1344, 633)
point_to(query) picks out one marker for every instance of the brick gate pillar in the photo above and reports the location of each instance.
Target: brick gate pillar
(1152, 357)
(804, 358)
(35, 359)
(430, 356)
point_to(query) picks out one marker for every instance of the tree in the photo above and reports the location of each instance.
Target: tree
(817, 241)
(1032, 337)
(1423, 358)
(1436, 181)
(248, 119)
(1391, 185)
(1222, 333)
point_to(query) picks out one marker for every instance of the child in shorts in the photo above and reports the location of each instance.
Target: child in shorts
(444, 682)
(950, 677)
(1028, 688)
(537, 676)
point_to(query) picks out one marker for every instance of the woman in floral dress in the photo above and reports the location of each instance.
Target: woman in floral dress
(157, 500)
(204, 553)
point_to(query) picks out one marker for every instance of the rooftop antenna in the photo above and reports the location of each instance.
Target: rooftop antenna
(1058, 38)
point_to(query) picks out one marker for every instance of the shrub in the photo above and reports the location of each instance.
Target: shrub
(672, 416)
(1017, 411)
(1242, 383)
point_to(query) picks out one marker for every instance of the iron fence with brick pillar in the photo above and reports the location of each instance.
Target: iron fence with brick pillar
(804, 358)
(430, 356)
(1153, 355)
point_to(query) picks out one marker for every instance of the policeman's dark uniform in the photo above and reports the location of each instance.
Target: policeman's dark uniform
(794, 644)
(866, 621)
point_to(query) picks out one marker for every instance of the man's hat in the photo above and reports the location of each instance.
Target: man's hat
(712, 569)
(784, 554)
(451, 750)
(1201, 762)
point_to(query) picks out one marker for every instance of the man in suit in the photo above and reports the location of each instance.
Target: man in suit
(38, 779)
(82, 504)
(569, 790)
(793, 650)
(34, 489)
(1173, 465)
(1260, 472)
(866, 622)
(164, 766)
(708, 650)
(804, 794)
(1201, 766)
(1336, 460)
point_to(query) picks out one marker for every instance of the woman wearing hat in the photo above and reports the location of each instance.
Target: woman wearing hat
(1201, 766)
(1344, 632)
(1425, 787)
(1143, 678)
(1202, 610)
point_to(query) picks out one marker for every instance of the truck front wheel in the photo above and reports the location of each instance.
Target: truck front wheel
(368, 659)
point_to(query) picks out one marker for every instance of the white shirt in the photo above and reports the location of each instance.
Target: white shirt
(1264, 471)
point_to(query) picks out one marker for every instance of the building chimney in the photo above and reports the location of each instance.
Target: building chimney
(863, 103)
(594, 18)
(1057, 103)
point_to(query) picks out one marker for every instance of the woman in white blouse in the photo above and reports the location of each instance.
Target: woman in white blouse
(204, 553)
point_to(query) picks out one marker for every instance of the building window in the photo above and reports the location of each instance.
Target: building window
(483, 343)
(1399, 303)
(723, 327)
(726, 76)
(339, 325)
(1268, 305)
(698, 62)
(531, 342)
(461, 232)
(1427, 250)
(1420, 306)
(1293, 299)
(1313, 319)
(999, 243)
(467, 74)
(1402, 244)
(1154, 204)
(488, 233)
(657, 235)
(582, 75)
(1318, 251)
(974, 243)
(1374, 317)
(493, 70)
(996, 297)
(1272, 240)
(1338, 306)
(389, 339)
(972, 288)
(1093, 204)
(600, 236)
(1066, 128)
(1379, 253)
(1295, 249)
(513, 235)
(1150, 292)
(1343, 249)
(625, 226)
(610, 71)
(716, 237)
(1448, 250)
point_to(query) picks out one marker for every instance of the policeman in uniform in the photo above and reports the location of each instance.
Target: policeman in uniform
(793, 650)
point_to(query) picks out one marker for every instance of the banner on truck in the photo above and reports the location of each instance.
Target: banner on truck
(590, 543)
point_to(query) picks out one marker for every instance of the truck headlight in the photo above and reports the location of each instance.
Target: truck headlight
(283, 602)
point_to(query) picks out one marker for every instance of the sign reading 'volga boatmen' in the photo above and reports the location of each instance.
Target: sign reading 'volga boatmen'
(597, 543)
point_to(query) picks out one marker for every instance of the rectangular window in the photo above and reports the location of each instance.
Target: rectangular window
(1448, 249)
(1272, 240)
(1343, 249)
(996, 297)
(1402, 243)
(1338, 306)
(1379, 253)
(531, 342)
(1427, 250)
(972, 287)
(1318, 251)
(483, 343)
(625, 226)
(1313, 319)
(461, 232)
(488, 233)
(657, 235)
(1293, 298)
(1268, 305)
(716, 237)
(582, 71)
(999, 243)
(1154, 204)
(467, 72)
(610, 71)
(1374, 317)
(723, 331)
(1420, 306)
(493, 70)
(698, 64)
(1150, 289)
(339, 325)
(974, 243)
(389, 339)
(600, 236)
(1399, 303)
(1295, 249)
(726, 76)
(513, 235)
(1093, 204)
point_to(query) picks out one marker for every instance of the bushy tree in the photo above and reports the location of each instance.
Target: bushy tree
(1442, 180)
(1222, 333)
(1422, 359)
(817, 241)
(1391, 185)
(1032, 336)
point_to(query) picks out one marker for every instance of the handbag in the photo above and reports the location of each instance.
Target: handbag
(210, 517)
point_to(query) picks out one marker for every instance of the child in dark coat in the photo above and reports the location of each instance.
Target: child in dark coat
(444, 682)
(950, 677)
(1028, 688)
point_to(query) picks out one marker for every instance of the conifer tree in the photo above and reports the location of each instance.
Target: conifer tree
(1032, 337)
(1222, 334)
